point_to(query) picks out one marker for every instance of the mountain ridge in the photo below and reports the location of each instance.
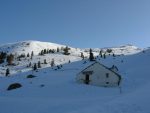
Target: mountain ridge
(37, 46)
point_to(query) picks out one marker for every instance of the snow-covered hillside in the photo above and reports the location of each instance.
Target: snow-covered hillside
(120, 50)
(28, 47)
(56, 90)
(37, 46)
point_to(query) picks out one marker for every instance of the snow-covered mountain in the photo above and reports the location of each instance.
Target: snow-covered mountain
(28, 47)
(56, 90)
(37, 46)
(120, 50)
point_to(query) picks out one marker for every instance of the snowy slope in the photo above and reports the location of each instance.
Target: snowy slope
(61, 94)
(56, 91)
(125, 49)
(29, 46)
(37, 46)
(26, 47)
(22, 65)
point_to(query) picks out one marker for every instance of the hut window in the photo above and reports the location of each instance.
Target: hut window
(107, 82)
(107, 75)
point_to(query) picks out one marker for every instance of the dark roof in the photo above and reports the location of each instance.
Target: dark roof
(105, 67)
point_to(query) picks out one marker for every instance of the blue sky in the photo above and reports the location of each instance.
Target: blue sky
(78, 23)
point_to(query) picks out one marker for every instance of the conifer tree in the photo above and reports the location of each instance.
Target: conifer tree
(30, 64)
(113, 55)
(57, 49)
(50, 51)
(42, 52)
(109, 50)
(82, 56)
(2, 57)
(52, 63)
(69, 61)
(45, 62)
(91, 57)
(66, 50)
(39, 64)
(10, 59)
(100, 53)
(32, 53)
(45, 51)
(7, 71)
(35, 67)
(104, 56)
(28, 55)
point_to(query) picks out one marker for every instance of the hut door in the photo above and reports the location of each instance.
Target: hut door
(87, 79)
